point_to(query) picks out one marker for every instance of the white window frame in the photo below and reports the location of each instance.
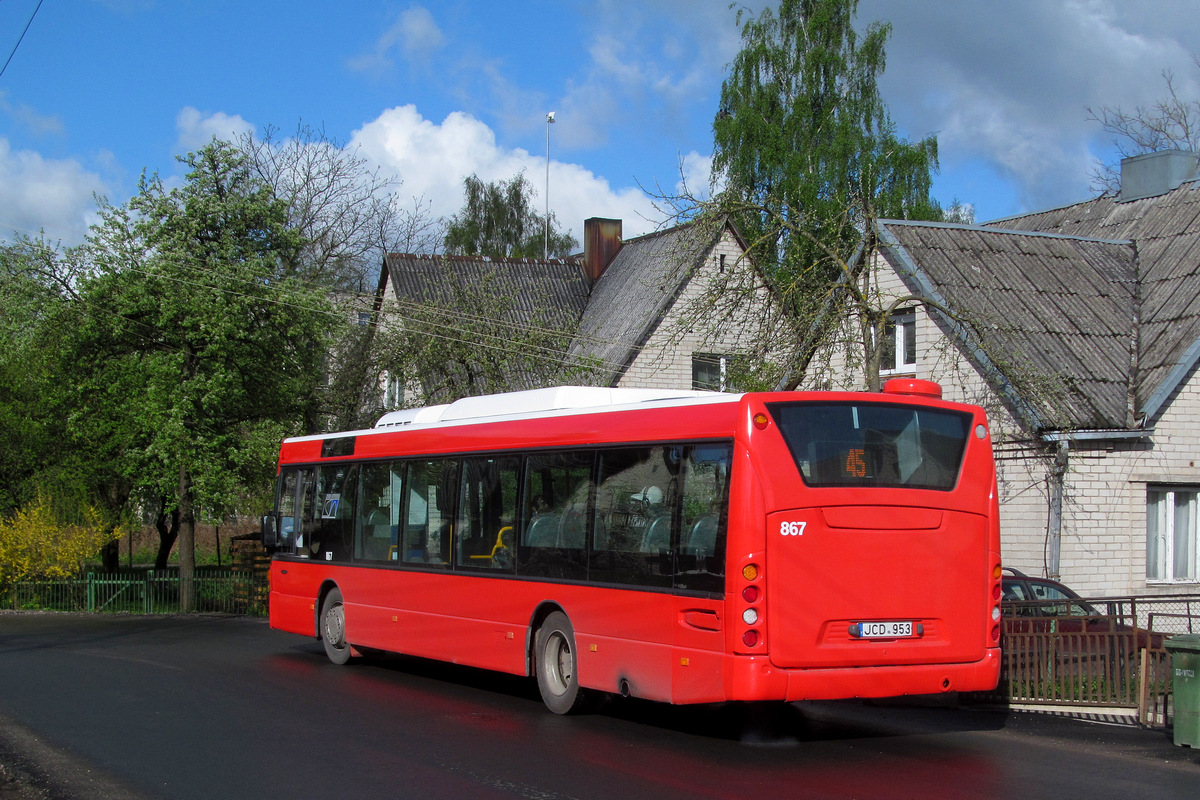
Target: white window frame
(393, 393)
(901, 333)
(722, 363)
(1172, 555)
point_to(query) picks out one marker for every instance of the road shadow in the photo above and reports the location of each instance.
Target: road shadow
(761, 724)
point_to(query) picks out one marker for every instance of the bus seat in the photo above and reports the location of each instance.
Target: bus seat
(543, 531)
(574, 528)
(703, 538)
(657, 538)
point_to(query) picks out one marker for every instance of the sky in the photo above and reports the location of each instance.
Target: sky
(100, 91)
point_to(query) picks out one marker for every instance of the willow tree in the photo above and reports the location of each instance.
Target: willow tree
(809, 157)
(498, 220)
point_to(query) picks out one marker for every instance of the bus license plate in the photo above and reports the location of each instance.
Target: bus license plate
(884, 630)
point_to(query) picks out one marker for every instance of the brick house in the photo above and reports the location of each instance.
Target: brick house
(624, 308)
(1079, 329)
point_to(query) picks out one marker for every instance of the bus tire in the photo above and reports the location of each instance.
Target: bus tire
(556, 665)
(333, 627)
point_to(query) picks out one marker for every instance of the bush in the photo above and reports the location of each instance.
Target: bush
(34, 544)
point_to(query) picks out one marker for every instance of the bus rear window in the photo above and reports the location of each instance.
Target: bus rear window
(872, 444)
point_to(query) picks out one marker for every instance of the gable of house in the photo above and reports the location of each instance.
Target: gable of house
(641, 323)
(632, 297)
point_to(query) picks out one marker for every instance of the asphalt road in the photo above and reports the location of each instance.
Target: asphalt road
(223, 707)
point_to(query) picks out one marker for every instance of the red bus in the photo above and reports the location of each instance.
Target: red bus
(685, 547)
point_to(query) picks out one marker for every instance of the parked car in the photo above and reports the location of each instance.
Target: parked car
(1043, 606)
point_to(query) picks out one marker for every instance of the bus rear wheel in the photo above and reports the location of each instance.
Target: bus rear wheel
(556, 665)
(333, 628)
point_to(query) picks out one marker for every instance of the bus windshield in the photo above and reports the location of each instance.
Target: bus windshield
(874, 444)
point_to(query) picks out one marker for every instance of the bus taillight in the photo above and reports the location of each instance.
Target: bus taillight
(997, 593)
(752, 597)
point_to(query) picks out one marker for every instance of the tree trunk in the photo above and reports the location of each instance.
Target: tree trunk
(110, 556)
(166, 536)
(187, 543)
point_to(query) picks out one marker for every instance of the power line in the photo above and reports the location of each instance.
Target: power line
(20, 39)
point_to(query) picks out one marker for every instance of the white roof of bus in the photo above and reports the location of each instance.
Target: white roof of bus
(554, 401)
(540, 401)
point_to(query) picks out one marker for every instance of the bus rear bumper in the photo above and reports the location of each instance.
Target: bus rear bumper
(756, 678)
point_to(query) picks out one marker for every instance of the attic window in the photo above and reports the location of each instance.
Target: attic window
(900, 343)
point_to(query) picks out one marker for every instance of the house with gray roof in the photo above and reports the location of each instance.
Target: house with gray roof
(1079, 329)
(619, 314)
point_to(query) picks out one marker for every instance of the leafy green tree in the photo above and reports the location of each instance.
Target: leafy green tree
(806, 158)
(36, 279)
(196, 352)
(498, 220)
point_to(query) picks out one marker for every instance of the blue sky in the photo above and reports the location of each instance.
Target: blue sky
(431, 92)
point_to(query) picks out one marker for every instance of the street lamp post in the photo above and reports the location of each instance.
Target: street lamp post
(546, 247)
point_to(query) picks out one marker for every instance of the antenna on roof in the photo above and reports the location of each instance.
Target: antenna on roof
(546, 247)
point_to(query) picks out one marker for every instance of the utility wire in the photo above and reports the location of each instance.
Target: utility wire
(20, 39)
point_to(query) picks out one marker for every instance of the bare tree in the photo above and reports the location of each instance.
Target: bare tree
(350, 216)
(1170, 123)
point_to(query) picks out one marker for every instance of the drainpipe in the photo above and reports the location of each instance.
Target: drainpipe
(1057, 480)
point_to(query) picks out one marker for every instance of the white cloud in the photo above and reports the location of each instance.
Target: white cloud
(432, 161)
(197, 129)
(414, 33)
(30, 118)
(39, 194)
(696, 175)
(1006, 86)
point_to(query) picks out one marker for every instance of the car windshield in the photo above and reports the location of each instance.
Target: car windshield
(874, 444)
(1039, 598)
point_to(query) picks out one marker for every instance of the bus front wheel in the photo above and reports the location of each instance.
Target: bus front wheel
(333, 628)
(556, 665)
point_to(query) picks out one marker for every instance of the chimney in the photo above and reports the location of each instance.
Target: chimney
(601, 242)
(1152, 174)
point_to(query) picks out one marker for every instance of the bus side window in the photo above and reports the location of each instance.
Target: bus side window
(288, 527)
(376, 524)
(429, 514)
(705, 516)
(636, 509)
(487, 513)
(557, 491)
(332, 531)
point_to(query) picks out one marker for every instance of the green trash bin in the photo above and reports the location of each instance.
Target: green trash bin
(1185, 683)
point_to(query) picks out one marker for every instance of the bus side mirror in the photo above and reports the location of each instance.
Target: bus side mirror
(270, 531)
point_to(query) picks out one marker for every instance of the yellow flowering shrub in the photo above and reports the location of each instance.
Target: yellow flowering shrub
(34, 544)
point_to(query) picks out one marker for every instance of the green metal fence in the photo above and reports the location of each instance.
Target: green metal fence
(217, 589)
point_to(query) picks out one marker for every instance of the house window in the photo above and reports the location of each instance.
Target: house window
(711, 372)
(899, 343)
(393, 396)
(1171, 533)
